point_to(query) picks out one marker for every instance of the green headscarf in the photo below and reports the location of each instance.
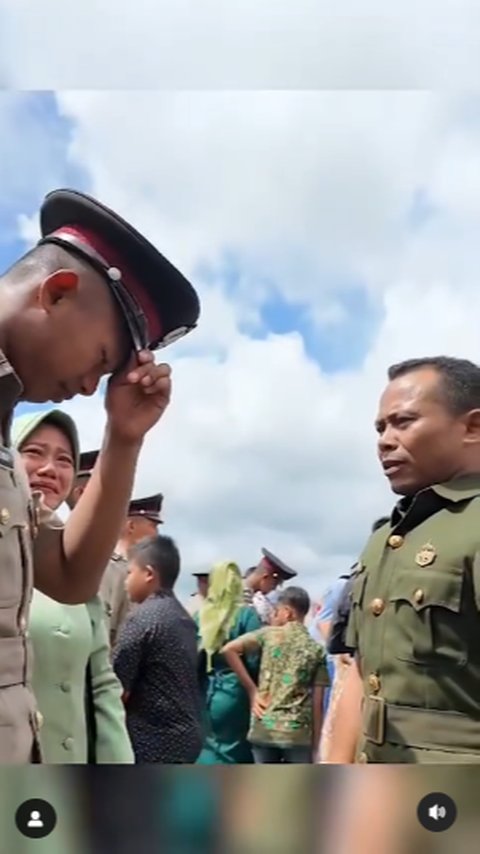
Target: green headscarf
(220, 609)
(25, 425)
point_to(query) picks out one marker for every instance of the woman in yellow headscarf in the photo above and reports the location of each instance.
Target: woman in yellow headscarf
(224, 617)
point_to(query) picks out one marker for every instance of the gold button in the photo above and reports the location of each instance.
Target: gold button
(363, 759)
(395, 541)
(377, 606)
(374, 683)
(39, 719)
(4, 516)
(419, 596)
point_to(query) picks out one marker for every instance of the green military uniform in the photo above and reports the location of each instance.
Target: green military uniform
(415, 625)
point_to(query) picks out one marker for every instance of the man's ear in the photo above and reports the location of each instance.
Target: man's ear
(56, 287)
(472, 427)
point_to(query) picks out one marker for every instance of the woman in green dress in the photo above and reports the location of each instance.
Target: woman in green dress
(77, 692)
(224, 617)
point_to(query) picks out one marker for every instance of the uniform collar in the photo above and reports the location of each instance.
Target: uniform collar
(10, 391)
(413, 509)
(460, 488)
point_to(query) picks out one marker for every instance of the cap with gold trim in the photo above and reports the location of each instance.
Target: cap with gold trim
(149, 508)
(277, 566)
(156, 301)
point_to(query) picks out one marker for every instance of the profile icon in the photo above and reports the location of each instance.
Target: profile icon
(35, 818)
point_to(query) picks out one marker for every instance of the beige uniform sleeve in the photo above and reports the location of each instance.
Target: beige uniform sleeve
(119, 602)
(46, 528)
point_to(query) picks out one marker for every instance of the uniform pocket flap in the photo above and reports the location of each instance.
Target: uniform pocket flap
(358, 587)
(476, 579)
(11, 516)
(429, 588)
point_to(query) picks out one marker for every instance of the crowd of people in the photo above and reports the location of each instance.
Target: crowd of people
(133, 675)
(99, 660)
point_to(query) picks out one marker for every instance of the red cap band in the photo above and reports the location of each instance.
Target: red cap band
(114, 259)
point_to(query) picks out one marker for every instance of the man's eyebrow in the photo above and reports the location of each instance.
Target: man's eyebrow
(397, 413)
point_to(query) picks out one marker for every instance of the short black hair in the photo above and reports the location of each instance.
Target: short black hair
(460, 380)
(47, 258)
(296, 598)
(379, 523)
(162, 554)
(248, 572)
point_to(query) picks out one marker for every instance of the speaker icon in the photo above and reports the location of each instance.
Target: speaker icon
(437, 812)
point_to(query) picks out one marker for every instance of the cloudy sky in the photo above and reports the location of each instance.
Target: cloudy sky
(329, 233)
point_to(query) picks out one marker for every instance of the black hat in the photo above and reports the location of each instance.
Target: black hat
(149, 507)
(202, 574)
(87, 462)
(278, 565)
(158, 304)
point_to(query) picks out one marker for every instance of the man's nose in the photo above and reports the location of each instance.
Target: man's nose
(387, 440)
(89, 385)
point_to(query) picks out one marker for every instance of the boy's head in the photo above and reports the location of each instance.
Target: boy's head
(293, 605)
(154, 565)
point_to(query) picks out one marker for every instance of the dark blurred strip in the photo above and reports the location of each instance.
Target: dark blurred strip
(119, 804)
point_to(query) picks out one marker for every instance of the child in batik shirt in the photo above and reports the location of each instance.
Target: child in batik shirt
(287, 704)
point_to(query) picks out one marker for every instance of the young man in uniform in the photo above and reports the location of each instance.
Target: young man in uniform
(87, 463)
(262, 580)
(415, 615)
(92, 298)
(141, 523)
(197, 599)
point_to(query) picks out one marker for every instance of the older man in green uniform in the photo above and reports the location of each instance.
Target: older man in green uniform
(92, 298)
(415, 619)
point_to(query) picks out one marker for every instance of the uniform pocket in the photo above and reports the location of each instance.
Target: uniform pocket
(426, 625)
(13, 545)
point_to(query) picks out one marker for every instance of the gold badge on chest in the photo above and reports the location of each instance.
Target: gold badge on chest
(426, 555)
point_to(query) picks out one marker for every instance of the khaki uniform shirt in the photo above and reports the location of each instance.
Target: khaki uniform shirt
(415, 625)
(115, 598)
(21, 522)
(194, 604)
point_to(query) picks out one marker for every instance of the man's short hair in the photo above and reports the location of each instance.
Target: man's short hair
(459, 380)
(162, 554)
(46, 259)
(295, 598)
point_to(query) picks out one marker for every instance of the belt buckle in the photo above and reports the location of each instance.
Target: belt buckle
(375, 713)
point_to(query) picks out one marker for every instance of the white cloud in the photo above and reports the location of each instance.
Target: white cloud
(242, 44)
(308, 191)
(306, 186)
